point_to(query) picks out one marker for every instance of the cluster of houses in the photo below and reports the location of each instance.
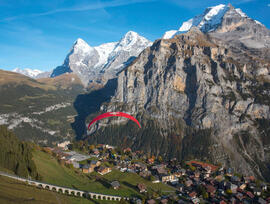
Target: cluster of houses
(194, 182)
(74, 158)
(219, 185)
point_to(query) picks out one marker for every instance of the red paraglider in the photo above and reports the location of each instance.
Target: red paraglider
(111, 114)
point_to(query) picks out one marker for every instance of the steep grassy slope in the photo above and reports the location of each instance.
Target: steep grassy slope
(52, 172)
(14, 192)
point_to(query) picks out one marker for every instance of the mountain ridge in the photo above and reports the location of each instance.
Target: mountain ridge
(33, 73)
(209, 21)
(101, 63)
(198, 95)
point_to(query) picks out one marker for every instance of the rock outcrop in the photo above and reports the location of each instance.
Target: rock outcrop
(200, 96)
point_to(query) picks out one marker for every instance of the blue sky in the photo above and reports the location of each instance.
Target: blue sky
(38, 34)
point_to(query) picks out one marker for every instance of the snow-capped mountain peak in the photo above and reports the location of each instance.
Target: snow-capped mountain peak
(102, 62)
(129, 40)
(241, 13)
(104, 51)
(81, 46)
(208, 21)
(33, 73)
(169, 34)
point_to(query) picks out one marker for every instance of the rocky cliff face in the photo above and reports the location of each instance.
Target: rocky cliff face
(199, 95)
(101, 63)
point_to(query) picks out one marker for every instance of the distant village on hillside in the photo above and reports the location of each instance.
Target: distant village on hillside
(193, 181)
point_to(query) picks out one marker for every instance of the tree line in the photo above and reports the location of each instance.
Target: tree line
(15, 155)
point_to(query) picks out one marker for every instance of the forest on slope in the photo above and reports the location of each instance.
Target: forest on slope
(15, 155)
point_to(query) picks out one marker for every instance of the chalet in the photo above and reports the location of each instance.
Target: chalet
(168, 178)
(87, 169)
(65, 156)
(249, 194)
(64, 145)
(76, 165)
(257, 191)
(239, 196)
(264, 187)
(123, 169)
(131, 169)
(104, 170)
(142, 188)
(156, 179)
(252, 185)
(151, 161)
(235, 179)
(183, 171)
(96, 151)
(188, 183)
(160, 166)
(243, 186)
(145, 173)
(177, 174)
(95, 163)
(161, 171)
(208, 169)
(180, 187)
(140, 165)
(193, 194)
(197, 174)
(219, 178)
(115, 185)
(210, 189)
(233, 187)
(207, 175)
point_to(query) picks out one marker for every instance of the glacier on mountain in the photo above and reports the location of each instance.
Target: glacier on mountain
(101, 63)
(208, 21)
(33, 73)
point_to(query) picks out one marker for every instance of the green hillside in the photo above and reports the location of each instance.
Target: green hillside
(52, 172)
(16, 155)
(14, 192)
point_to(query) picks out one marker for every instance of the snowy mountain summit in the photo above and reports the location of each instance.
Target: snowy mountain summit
(101, 63)
(33, 73)
(210, 20)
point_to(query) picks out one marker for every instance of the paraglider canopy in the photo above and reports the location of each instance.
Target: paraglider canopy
(111, 114)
